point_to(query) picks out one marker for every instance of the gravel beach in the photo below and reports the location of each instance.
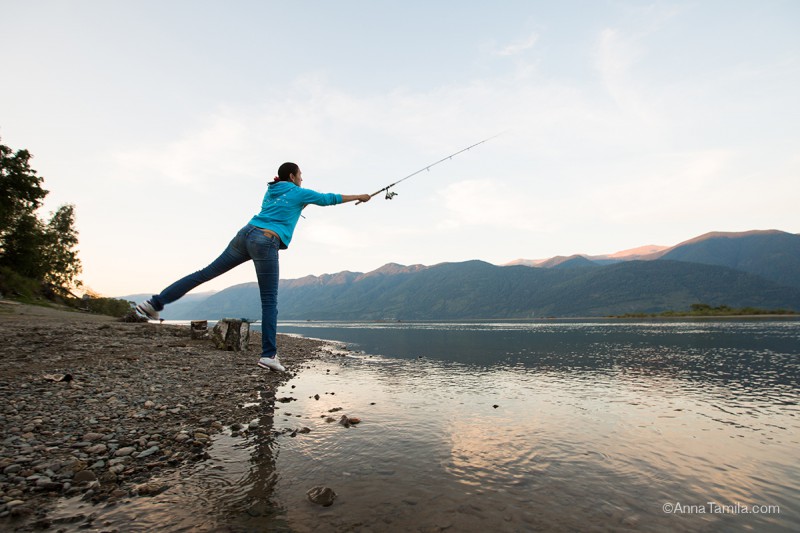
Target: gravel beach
(138, 400)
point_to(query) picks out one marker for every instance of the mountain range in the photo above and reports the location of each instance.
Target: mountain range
(747, 269)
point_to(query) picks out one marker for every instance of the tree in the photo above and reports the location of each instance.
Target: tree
(43, 252)
(21, 191)
(59, 253)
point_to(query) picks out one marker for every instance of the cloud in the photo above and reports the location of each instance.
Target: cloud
(616, 55)
(571, 157)
(491, 204)
(518, 47)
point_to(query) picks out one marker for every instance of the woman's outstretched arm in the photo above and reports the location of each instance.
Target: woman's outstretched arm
(353, 197)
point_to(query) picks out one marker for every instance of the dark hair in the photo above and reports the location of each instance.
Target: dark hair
(285, 170)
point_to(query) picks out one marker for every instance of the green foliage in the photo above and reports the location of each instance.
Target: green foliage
(103, 306)
(21, 190)
(60, 240)
(700, 309)
(20, 287)
(42, 251)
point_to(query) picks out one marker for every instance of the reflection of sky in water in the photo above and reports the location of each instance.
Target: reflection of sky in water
(566, 447)
(597, 426)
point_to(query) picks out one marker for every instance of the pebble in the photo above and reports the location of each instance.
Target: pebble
(122, 452)
(12, 469)
(61, 440)
(150, 488)
(148, 452)
(84, 476)
(323, 496)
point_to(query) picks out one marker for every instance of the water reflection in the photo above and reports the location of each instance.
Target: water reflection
(742, 355)
(252, 507)
(562, 450)
(516, 428)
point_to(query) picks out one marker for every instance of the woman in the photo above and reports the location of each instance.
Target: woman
(259, 240)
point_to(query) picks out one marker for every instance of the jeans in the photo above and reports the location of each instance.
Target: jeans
(249, 243)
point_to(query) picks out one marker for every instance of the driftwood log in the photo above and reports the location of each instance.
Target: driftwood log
(232, 334)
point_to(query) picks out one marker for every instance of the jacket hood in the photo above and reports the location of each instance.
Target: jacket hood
(275, 189)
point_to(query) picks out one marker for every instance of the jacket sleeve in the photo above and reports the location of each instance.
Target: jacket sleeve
(307, 196)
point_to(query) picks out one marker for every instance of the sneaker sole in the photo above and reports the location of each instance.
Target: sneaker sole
(270, 368)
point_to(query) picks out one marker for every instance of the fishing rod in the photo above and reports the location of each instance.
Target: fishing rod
(390, 194)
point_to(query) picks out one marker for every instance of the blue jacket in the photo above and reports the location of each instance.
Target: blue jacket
(282, 205)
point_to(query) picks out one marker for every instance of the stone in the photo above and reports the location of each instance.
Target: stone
(84, 476)
(323, 496)
(231, 334)
(92, 436)
(12, 469)
(199, 329)
(48, 484)
(347, 421)
(148, 452)
(122, 452)
(151, 488)
(97, 448)
(77, 466)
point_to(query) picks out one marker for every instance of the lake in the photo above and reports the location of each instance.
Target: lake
(581, 425)
(601, 425)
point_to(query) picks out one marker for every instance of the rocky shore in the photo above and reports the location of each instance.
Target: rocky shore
(97, 408)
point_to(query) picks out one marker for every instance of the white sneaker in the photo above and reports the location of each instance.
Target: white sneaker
(271, 363)
(147, 310)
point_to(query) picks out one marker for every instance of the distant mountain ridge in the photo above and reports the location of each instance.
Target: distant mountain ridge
(749, 269)
(772, 254)
(633, 254)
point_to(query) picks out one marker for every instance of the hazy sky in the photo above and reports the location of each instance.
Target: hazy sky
(628, 123)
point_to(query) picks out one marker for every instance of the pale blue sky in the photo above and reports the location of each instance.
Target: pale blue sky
(629, 123)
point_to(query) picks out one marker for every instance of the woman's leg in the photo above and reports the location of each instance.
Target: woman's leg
(264, 252)
(234, 255)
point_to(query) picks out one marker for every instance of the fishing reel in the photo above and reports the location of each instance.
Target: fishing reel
(390, 195)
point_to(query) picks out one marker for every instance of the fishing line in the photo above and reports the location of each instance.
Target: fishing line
(391, 194)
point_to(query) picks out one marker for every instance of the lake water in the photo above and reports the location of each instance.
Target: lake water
(548, 426)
